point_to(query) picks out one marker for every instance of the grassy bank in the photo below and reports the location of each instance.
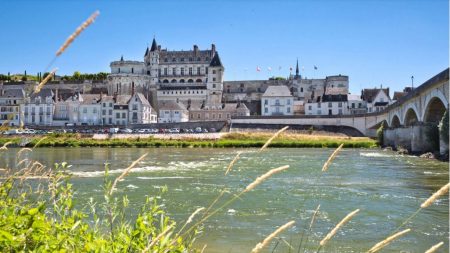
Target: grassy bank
(238, 140)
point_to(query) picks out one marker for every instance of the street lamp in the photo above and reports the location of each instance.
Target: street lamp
(412, 82)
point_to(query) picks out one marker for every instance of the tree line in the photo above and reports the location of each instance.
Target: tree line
(76, 76)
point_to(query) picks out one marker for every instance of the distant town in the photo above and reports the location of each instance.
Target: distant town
(177, 86)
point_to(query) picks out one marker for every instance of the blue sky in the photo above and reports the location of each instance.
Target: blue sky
(373, 42)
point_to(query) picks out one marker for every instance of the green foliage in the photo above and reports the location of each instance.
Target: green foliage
(443, 127)
(33, 220)
(380, 133)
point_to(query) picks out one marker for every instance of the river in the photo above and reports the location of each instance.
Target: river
(386, 187)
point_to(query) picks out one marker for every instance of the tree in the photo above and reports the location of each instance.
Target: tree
(380, 133)
(76, 75)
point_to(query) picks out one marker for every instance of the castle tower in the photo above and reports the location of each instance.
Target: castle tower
(215, 79)
(151, 59)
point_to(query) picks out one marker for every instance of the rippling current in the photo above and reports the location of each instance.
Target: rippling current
(387, 188)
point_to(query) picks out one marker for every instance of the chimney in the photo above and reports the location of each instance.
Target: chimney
(132, 88)
(195, 49)
(213, 49)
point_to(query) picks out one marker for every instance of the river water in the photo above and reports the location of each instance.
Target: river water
(386, 187)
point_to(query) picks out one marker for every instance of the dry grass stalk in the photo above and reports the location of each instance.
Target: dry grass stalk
(46, 79)
(436, 195)
(203, 249)
(273, 137)
(5, 146)
(77, 32)
(127, 170)
(386, 241)
(22, 150)
(268, 239)
(39, 142)
(261, 179)
(331, 158)
(154, 241)
(434, 248)
(189, 220)
(314, 217)
(337, 227)
(233, 162)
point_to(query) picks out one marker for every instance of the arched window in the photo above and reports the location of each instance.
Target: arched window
(174, 81)
(190, 81)
(166, 81)
(181, 80)
(198, 80)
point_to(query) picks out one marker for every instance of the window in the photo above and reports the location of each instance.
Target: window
(206, 70)
(288, 101)
(190, 71)
(159, 72)
(198, 115)
(340, 104)
(182, 59)
(94, 110)
(214, 79)
(174, 60)
(166, 60)
(214, 71)
(165, 71)
(319, 112)
(110, 104)
(266, 110)
(198, 71)
(118, 115)
(84, 110)
(135, 107)
(381, 100)
(340, 111)
(182, 71)
(132, 70)
(309, 107)
(110, 112)
(123, 115)
(318, 105)
(330, 104)
(266, 102)
(289, 110)
(277, 102)
(104, 112)
(301, 89)
(174, 71)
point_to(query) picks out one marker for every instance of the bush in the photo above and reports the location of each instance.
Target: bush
(34, 220)
(380, 133)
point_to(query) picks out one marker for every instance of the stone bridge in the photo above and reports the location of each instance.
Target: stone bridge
(424, 106)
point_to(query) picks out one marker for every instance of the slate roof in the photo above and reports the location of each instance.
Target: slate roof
(171, 105)
(142, 98)
(43, 93)
(14, 93)
(277, 91)
(215, 62)
(399, 94)
(154, 46)
(370, 94)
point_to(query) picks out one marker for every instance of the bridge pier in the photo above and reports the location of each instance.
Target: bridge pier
(419, 138)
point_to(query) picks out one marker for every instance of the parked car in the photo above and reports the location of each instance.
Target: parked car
(174, 130)
(125, 131)
(113, 130)
(205, 130)
(12, 131)
(198, 129)
(212, 130)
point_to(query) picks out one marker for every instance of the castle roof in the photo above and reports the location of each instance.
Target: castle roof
(146, 52)
(154, 46)
(215, 62)
(171, 105)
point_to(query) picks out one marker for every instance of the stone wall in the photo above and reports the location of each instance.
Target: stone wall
(415, 138)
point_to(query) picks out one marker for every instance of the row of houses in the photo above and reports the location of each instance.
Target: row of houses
(48, 108)
(279, 100)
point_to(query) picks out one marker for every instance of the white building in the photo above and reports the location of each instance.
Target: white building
(327, 105)
(376, 99)
(10, 101)
(172, 111)
(38, 108)
(356, 105)
(277, 100)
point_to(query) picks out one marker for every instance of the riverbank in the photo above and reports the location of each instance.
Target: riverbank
(222, 140)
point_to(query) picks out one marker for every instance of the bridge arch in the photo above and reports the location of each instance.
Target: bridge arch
(411, 117)
(434, 110)
(395, 121)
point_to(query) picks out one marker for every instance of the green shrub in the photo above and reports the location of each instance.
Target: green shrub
(380, 133)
